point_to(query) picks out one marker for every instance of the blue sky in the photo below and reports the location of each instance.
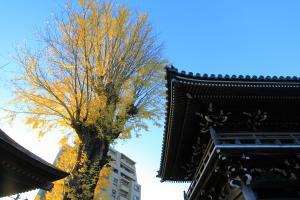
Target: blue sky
(221, 37)
(235, 37)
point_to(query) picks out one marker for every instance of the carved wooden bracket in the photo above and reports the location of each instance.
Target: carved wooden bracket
(255, 119)
(212, 118)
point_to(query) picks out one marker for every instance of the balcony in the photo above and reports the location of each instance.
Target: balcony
(122, 198)
(124, 187)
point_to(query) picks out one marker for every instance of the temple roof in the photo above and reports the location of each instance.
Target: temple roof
(192, 97)
(21, 170)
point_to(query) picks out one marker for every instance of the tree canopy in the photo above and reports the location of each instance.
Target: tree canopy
(99, 72)
(97, 63)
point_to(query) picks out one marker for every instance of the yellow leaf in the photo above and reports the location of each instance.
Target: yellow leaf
(29, 121)
(41, 134)
(63, 142)
(35, 125)
(81, 2)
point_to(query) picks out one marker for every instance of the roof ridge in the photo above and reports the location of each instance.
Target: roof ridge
(173, 70)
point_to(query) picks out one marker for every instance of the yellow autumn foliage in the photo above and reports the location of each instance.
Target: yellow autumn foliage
(103, 184)
(98, 62)
(66, 160)
(99, 73)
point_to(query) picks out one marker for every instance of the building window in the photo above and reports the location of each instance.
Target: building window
(115, 181)
(126, 177)
(136, 198)
(115, 171)
(127, 169)
(124, 182)
(123, 193)
(127, 160)
(136, 188)
(114, 193)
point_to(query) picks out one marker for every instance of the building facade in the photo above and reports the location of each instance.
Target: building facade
(121, 182)
(124, 185)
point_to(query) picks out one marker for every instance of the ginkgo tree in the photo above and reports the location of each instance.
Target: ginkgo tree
(65, 160)
(99, 72)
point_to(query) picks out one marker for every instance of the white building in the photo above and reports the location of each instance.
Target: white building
(123, 178)
(124, 185)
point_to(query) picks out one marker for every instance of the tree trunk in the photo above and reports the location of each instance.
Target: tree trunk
(91, 158)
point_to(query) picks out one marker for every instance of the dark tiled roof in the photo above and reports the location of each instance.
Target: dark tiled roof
(225, 86)
(22, 170)
(174, 71)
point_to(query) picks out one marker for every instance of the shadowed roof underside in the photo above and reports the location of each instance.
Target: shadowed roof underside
(21, 170)
(189, 97)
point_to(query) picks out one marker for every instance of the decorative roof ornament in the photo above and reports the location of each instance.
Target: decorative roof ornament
(213, 118)
(255, 119)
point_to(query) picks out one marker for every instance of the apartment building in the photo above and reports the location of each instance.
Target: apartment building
(123, 178)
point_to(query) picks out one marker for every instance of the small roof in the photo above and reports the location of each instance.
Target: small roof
(190, 97)
(21, 170)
